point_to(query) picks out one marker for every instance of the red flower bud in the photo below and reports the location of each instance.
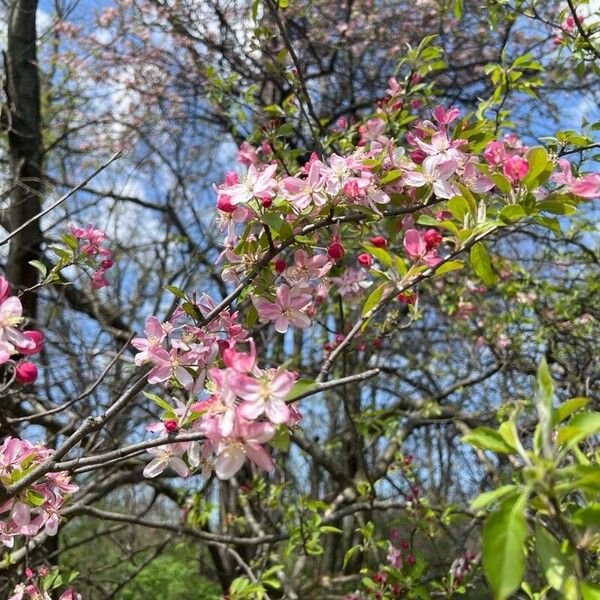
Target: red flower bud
(364, 260)
(432, 239)
(266, 202)
(377, 342)
(335, 250)
(107, 263)
(411, 560)
(280, 265)
(407, 297)
(224, 203)
(25, 372)
(171, 425)
(378, 241)
(37, 337)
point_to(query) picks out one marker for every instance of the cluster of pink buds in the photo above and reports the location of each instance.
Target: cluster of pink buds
(509, 156)
(37, 507)
(567, 26)
(91, 248)
(15, 344)
(35, 587)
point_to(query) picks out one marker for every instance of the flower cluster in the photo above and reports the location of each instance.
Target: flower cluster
(37, 507)
(91, 248)
(16, 343)
(243, 403)
(37, 586)
(262, 211)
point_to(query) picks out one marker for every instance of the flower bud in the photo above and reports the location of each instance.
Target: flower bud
(378, 241)
(280, 265)
(171, 425)
(364, 260)
(224, 203)
(432, 239)
(25, 372)
(37, 337)
(335, 250)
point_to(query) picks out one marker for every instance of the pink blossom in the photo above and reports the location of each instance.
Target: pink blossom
(494, 153)
(155, 335)
(165, 456)
(265, 394)
(436, 173)
(170, 364)
(247, 155)
(11, 339)
(416, 247)
(515, 168)
(255, 185)
(245, 441)
(307, 268)
(445, 117)
(286, 310)
(302, 192)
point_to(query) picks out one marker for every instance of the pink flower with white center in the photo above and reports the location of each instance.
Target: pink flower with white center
(155, 335)
(436, 173)
(255, 185)
(394, 88)
(351, 285)
(11, 316)
(587, 186)
(265, 394)
(302, 192)
(339, 171)
(165, 456)
(443, 116)
(245, 442)
(475, 180)
(415, 245)
(440, 147)
(307, 268)
(286, 310)
(222, 404)
(170, 364)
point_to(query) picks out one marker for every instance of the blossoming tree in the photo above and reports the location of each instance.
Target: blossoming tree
(357, 397)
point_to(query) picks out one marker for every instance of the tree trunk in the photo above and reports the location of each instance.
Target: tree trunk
(22, 119)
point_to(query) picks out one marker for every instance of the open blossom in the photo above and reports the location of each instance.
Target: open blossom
(307, 268)
(37, 507)
(155, 334)
(265, 393)
(436, 173)
(171, 364)
(587, 186)
(301, 192)
(351, 285)
(11, 316)
(168, 455)
(286, 310)
(245, 441)
(256, 184)
(416, 246)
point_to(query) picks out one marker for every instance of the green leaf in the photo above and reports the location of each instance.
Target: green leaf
(556, 208)
(459, 207)
(538, 163)
(40, 266)
(502, 183)
(567, 408)
(503, 536)
(175, 291)
(555, 565)
(162, 403)
(451, 265)
(512, 213)
(590, 591)
(488, 498)
(383, 256)
(350, 553)
(488, 439)
(373, 299)
(588, 516)
(390, 176)
(299, 388)
(579, 427)
(480, 261)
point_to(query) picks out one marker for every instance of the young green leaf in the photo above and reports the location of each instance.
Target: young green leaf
(480, 261)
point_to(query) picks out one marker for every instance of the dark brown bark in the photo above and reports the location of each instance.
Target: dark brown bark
(22, 120)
